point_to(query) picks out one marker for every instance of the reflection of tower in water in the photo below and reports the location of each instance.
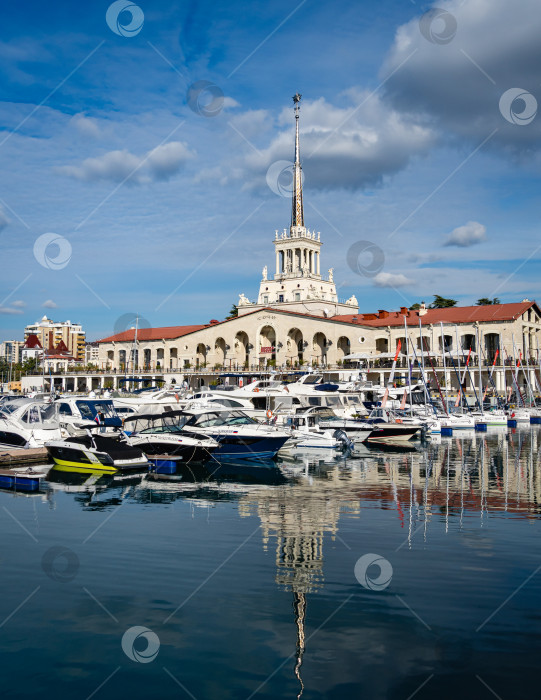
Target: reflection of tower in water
(297, 518)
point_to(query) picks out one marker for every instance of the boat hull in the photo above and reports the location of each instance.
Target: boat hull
(67, 454)
(388, 433)
(183, 452)
(244, 447)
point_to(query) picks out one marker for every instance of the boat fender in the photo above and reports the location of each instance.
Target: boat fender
(256, 389)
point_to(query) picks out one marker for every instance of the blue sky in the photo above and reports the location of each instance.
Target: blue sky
(419, 134)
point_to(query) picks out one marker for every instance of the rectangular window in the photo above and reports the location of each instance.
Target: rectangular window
(297, 296)
(280, 297)
(266, 299)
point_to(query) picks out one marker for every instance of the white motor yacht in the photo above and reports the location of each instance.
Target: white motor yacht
(239, 435)
(307, 431)
(26, 423)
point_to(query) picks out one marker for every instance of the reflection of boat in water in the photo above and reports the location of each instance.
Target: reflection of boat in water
(96, 452)
(371, 448)
(241, 472)
(81, 479)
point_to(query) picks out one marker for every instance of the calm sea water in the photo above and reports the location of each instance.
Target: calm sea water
(389, 574)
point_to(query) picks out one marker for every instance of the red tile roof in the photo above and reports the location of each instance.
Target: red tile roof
(167, 333)
(454, 314)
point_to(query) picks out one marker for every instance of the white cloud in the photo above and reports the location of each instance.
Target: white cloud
(158, 164)
(230, 103)
(389, 279)
(457, 85)
(19, 304)
(166, 160)
(86, 125)
(349, 147)
(8, 311)
(464, 236)
(49, 304)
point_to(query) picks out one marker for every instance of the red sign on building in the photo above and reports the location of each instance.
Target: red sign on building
(267, 350)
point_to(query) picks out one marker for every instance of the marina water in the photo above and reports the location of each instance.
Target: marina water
(394, 573)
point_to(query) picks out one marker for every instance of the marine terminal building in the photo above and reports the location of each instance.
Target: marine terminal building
(298, 319)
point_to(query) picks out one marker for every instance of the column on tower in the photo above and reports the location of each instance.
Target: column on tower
(318, 270)
(277, 262)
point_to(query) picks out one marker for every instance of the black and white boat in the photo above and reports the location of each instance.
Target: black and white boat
(96, 452)
(162, 435)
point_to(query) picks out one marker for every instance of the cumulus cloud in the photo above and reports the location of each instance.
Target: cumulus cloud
(10, 311)
(19, 304)
(393, 280)
(464, 236)
(347, 147)
(160, 163)
(49, 304)
(86, 125)
(230, 103)
(456, 80)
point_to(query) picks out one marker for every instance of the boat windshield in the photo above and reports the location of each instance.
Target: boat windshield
(211, 419)
(333, 401)
(39, 413)
(327, 414)
(312, 379)
(89, 409)
(164, 428)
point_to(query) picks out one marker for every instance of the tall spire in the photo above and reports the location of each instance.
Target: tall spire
(297, 212)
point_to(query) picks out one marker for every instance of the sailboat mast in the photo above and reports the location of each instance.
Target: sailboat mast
(479, 361)
(444, 365)
(409, 365)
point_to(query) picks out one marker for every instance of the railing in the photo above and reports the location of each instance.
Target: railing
(373, 365)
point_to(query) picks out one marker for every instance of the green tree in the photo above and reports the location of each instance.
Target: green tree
(234, 312)
(29, 365)
(485, 301)
(415, 307)
(442, 302)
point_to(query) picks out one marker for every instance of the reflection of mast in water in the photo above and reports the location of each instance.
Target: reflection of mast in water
(299, 605)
